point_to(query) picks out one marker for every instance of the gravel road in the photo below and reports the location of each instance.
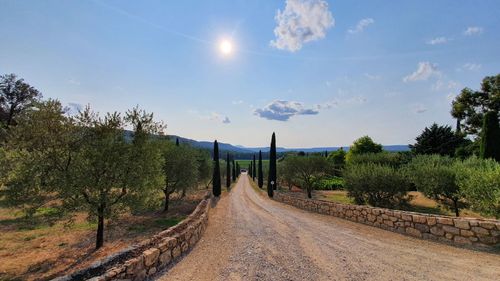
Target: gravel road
(250, 237)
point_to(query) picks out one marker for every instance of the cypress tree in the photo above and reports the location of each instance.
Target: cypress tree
(250, 169)
(216, 186)
(254, 169)
(490, 137)
(228, 172)
(234, 170)
(260, 175)
(272, 168)
(238, 169)
(177, 142)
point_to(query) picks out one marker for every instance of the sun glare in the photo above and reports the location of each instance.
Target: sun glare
(225, 47)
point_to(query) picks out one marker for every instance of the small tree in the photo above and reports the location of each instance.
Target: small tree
(228, 172)
(365, 145)
(309, 171)
(16, 96)
(437, 140)
(177, 142)
(271, 182)
(436, 177)
(234, 171)
(337, 158)
(260, 176)
(216, 185)
(490, 137)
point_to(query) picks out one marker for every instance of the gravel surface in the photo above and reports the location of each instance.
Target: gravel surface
(250, 237)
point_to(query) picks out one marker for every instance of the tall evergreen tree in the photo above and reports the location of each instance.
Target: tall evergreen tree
(238, 169)
(228, 172)
(177, 142)
(250, 169)
(490, 137)
(234, 170)
(254, 171)
(260, 176)
(216, 185)
(271, 182)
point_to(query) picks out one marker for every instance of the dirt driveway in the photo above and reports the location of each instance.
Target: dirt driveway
(250, 237)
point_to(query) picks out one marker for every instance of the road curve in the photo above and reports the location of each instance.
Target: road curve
(250, 237)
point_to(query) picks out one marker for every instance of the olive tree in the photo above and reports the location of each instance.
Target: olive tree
(307, 171)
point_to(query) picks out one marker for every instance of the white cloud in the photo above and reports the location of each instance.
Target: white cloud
(237, 102)
(425, 70)
(470, 66)
(355, 100)
(300, 22)
(362, 24)
(437, 41)
(445, 85)
(220, 118)
(281, 110)
(373, 77)
(473, 30)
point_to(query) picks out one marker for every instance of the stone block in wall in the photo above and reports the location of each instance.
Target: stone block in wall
(462, 240)
(406, 217)
(134, 265)
(451, 229)
(176, 252)
(413, 232)
(480, 231)
(431, 221)
(462, 224)
(165, 258)
(466, 233)
(488, 239)
(419, 219)
(448, 221)
(437, 230)
(151, 256)
(487, 225)
(422, 227)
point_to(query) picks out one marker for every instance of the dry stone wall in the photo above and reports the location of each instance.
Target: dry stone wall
(462, 231)
(151, 255)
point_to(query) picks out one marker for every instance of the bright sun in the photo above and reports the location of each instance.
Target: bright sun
(225, 47)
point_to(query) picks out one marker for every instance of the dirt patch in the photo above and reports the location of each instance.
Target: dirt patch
(49, 250)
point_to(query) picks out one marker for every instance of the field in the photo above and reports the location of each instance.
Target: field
(245, 163)
(52, 245)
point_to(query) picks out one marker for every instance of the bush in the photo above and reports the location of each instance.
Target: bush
(382, 158)
(479, 181)
(435, 176)
(377, 185)
(333, 183)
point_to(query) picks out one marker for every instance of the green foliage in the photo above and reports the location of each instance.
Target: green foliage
(393, 159)
(436, 177)
(260, 174)
(437, 140)
(228, 171)
(16, 96)
(338, 159)
(479, 181)
(363, 145)
(306, 172)
(470, 106)
(490, 137)
(331, 183)
(377, 185)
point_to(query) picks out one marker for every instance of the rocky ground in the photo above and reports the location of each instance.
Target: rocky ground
(250, 237)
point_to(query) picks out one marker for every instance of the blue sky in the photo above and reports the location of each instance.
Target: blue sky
(332, 72)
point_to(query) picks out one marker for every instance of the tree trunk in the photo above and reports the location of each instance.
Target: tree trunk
(167, 199)
(309, 193)
(455, 205)
(183, 192)
(99, 242)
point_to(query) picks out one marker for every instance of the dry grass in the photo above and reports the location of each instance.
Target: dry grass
(50, 248)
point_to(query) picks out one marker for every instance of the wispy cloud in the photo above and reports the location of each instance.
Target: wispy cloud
(300, 22)
(281, 110)
(73, 81)
(470, 66)
(213, 116)
(362, 24)
(473, 30)
(425, 70)
(445, 85)
(438, 41)
(419, 108)
(237, 102)
(372, 76)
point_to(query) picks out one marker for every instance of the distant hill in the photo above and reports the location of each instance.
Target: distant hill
(243, 149)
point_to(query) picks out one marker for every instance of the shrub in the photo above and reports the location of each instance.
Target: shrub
(479, 181)
(333, 183)
(377, 185)
(382, 158)
(435, 176)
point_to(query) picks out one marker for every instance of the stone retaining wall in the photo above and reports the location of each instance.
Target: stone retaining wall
(462, 231)
(151, 255)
